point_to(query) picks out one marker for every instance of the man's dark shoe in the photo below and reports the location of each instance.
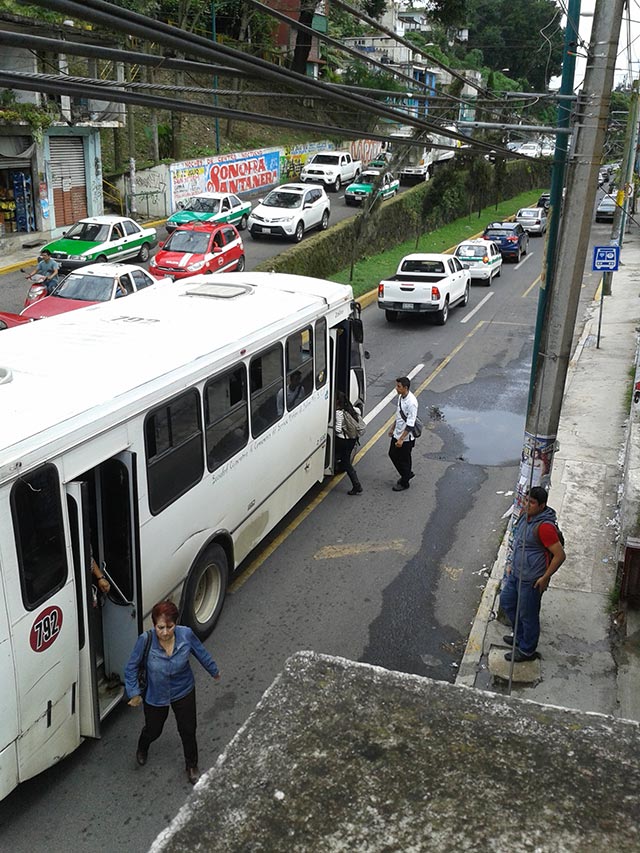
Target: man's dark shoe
(356, 490)
(520, 657)
(400, 487)
(193, 774)
(508, 639)
(410, 477)
(141, 757)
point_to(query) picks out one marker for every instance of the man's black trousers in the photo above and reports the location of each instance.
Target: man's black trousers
(401, 458)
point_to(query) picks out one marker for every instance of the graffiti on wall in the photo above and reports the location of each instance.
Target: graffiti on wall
(251, 170)
(293, 158)
(365, 149)
(187, 179)
(233, 173)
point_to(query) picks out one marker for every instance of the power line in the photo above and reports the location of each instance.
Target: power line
(146, 28)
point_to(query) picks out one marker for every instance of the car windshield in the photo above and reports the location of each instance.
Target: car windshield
(188, 241)
(325, 160)
(88, 288)
(202, 205)
(498, 232)
(283, 199)
(531, 213)
(423, 266)
(470, 250)
(89, 232)
(368, 178)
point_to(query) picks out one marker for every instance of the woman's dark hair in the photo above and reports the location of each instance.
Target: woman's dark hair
(165, 610)
(342, 402)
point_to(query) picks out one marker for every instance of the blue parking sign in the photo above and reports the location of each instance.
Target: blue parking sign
(606, 258)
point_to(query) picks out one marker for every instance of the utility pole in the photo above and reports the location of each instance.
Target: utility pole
(625, 190)
(623, 195)
(565, 261)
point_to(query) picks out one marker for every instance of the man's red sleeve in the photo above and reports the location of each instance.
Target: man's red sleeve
(548, 534)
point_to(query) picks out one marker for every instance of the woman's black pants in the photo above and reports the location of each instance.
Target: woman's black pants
(185, 714)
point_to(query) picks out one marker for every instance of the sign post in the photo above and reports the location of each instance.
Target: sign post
(606, 259)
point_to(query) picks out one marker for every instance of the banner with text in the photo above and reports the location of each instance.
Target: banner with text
(233, 173)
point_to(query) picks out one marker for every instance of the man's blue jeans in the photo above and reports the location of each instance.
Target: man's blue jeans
(529, 616)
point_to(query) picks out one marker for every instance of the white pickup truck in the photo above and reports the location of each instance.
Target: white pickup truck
(331, 168)
(425, 284)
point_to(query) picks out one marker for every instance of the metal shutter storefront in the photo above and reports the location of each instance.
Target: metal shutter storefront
(69, 181)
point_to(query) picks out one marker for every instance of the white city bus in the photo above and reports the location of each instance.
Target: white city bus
(163, 436)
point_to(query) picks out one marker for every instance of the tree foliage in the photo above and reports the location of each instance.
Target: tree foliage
(527, 38)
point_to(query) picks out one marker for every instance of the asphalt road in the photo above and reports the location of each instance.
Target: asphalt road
(392, 579)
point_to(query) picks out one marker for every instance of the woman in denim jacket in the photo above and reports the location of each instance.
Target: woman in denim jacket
(170, 682)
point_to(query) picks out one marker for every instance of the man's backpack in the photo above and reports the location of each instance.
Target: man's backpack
(557, 527)
(352, 427)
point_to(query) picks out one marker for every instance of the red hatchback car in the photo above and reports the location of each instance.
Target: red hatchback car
(199, 248)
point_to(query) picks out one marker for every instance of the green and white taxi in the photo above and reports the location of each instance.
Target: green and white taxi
(482, 258)
(102, 238)
(361, 189)
(211, 207)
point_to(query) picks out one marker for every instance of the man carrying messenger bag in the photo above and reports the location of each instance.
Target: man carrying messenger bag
(404, 432)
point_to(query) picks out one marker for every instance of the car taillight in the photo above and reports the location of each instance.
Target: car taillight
(381, 291)
(512, 239)
(435, 293)
(485, 259)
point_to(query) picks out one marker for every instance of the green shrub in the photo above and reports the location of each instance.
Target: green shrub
(452, 192)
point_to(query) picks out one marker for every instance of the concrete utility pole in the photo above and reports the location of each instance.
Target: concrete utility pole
(625, 190)
(568, 257)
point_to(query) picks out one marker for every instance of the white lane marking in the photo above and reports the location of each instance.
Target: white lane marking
(390, 396)
(468, 316)
(524, 260)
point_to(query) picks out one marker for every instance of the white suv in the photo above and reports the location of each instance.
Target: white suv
(289, 211)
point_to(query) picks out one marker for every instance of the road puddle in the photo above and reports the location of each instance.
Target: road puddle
(490, 437)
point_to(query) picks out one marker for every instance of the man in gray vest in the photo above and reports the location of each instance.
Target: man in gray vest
(536, 555)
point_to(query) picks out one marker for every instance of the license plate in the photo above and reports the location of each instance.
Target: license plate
(407, 305)
(262, 229)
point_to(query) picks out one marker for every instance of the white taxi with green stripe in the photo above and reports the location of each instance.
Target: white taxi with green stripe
(482, 258)
(102, 238)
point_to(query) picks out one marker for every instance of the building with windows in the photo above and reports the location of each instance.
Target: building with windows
(50, 156)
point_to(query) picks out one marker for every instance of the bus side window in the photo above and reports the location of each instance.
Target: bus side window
(36, 509)
(299, 367)
(321, 353)
(266, 386)
(173, 443)
(226, 416)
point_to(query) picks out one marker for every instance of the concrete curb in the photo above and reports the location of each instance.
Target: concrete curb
(18, 265)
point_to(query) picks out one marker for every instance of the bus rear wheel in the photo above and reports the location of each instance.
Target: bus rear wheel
(205, 591)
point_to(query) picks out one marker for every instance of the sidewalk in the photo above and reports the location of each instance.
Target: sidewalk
(595, 485)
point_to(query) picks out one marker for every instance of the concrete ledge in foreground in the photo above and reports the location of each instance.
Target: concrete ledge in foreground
(340, 756)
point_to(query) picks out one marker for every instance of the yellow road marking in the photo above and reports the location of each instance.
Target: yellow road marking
(333, 552)
(254, 565)
(596, 295)
(531, 286)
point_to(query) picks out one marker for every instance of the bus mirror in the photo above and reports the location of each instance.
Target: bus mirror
(357, 331)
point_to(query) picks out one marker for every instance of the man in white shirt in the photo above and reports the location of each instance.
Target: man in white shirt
(401, 434)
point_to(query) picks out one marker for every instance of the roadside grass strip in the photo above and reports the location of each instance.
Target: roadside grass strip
(369, 271)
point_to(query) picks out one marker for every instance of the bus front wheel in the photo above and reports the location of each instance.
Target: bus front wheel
(205, 591)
